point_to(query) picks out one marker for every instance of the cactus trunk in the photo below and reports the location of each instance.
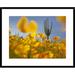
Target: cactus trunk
(47, 28)
(47, 37)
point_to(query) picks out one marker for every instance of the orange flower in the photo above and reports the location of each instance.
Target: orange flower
(36, 55)
(61, 19)
(56, 38)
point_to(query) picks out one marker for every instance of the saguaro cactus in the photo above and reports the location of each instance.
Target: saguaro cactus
(47, 28)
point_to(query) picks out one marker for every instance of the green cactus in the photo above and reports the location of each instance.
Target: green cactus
(47, 28)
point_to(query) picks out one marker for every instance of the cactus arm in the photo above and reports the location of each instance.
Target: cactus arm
(46, 26)
(51, 28)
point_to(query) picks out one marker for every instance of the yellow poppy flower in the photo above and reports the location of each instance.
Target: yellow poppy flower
(19, 49)
(34, 51)
(41, 44)
(36, 44)
(24, 26)
(32, 35)
(33, 40)
(51, 54)
(33, 26)
(26, 48)
(16, 52)
(42, 35)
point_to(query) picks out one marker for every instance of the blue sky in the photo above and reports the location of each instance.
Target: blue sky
(56, 26)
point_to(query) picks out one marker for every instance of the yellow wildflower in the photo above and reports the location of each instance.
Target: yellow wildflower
(26, 48)
(36, 44)
(41, 44)
(33, 26)
(64, 42)
(35, 55)
(32, 35)
(42, 35)
(24, 26)
(16, 51)
(51, 54)
(34, 51)
(33, 40)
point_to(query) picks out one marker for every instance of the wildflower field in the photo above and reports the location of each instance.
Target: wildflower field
(35, 44)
